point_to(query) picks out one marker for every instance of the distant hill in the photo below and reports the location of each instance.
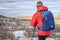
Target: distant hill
(25, 17)
(1, 16)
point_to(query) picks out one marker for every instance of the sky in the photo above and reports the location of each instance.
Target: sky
(18, 8)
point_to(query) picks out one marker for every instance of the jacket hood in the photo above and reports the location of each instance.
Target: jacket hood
(41, 8)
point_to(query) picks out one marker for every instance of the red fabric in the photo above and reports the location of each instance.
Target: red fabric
(37, 21)
(42, 8)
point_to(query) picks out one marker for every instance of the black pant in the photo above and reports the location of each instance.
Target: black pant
(42, 37)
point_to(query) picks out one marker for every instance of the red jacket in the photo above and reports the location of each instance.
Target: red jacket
(37, 21)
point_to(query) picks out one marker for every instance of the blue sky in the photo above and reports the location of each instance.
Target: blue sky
(17, 8)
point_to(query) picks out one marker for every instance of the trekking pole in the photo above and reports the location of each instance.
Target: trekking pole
(33, 33)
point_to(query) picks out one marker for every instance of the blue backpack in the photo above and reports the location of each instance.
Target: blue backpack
(48, 21)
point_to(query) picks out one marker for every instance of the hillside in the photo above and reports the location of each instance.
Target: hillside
(25, 17)
(56, 17)
(3, 16)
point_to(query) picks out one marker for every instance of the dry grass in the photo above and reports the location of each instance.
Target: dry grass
(57, 19)
(57, 22)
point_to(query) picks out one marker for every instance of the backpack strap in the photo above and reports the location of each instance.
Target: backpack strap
(44, 15)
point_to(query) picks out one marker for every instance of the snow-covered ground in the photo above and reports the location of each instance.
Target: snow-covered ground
(20, 36)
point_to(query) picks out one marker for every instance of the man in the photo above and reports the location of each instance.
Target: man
(37, 21)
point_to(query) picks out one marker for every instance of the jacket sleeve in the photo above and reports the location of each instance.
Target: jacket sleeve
(34, 20)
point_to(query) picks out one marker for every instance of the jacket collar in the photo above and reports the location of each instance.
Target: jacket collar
(41, 8)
